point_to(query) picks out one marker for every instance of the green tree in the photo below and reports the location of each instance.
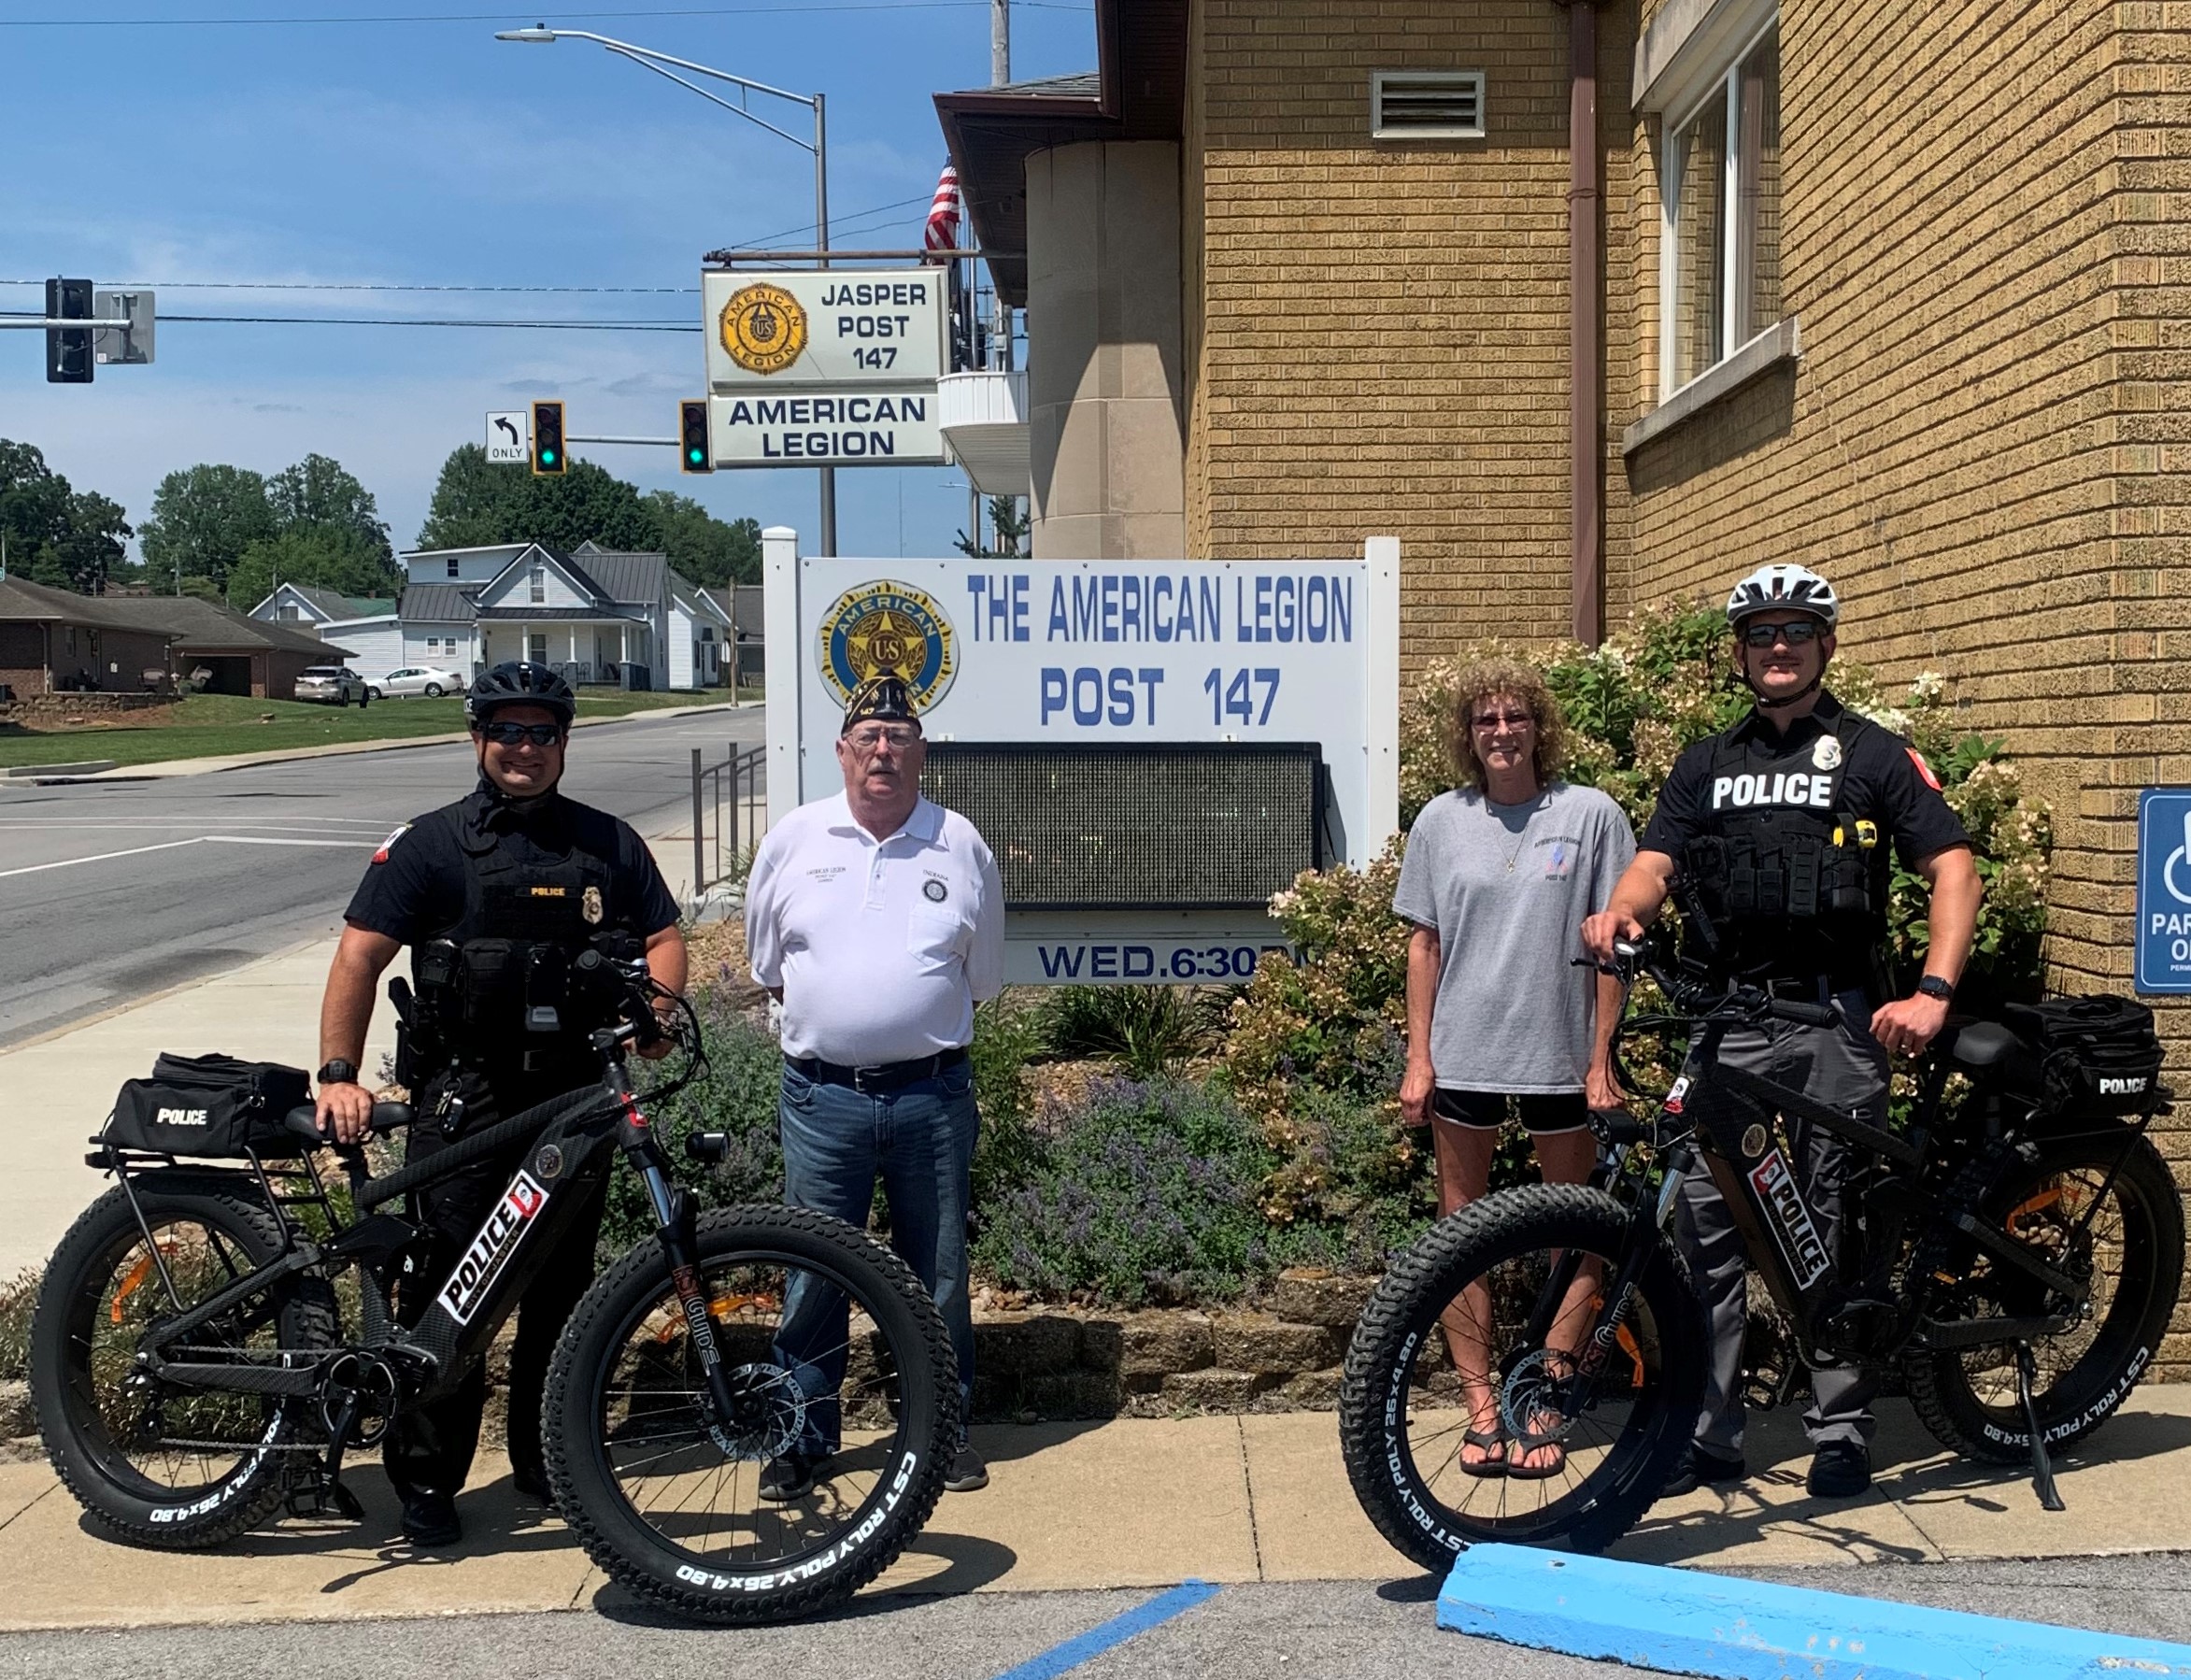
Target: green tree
(1011, 533)
(55, 535)
(708, 550)
(328, 557)
(202, 519)
(319, 494)
(477, 503)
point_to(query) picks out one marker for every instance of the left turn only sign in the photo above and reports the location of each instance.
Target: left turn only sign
(2164, 891)
(509, 435)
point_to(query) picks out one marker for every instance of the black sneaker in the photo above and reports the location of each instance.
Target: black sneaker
(531, 1482)
(430, 1520)
(789, 1477)
(1840, 1470)
(967, 1472)
(1704, 1468)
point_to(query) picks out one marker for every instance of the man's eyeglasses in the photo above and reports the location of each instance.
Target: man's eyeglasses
(511, 734)
(869, 738)
(1799, 634)
(1510, 720)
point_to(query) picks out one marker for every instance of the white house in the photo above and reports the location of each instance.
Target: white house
(589, 614)
(365, 624)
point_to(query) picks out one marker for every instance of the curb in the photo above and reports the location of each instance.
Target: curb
(1686, 1622)
(163, 769)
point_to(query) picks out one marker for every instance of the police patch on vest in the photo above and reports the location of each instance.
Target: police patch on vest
(1782, 787)
(590, 905)
(547, 891)
(1825, 753)
(491, 1250)
(1923, 769)
(888, 626)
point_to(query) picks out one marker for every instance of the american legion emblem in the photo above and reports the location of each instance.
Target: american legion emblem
(888, 626)
(763, 328)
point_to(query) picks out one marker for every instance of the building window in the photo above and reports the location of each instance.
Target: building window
(452, 567)
(539, 649)
(1720, 173)
(539, 585)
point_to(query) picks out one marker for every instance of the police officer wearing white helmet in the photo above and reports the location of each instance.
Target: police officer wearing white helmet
(1780, 828)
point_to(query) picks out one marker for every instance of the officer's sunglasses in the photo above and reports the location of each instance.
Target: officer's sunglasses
(1797, 634)
(511, 734)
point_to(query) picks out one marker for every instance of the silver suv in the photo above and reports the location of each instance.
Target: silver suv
(334, 685)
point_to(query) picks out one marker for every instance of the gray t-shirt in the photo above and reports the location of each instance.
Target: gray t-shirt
(1505, 889)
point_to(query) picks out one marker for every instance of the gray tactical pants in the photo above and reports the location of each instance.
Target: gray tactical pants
(1844, 1067)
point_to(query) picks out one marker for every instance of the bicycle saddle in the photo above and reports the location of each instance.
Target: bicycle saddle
(1989, 1051)
(386, 1116)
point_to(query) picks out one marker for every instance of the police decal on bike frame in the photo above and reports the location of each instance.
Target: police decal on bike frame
(491, 1250)
(1790, 1219)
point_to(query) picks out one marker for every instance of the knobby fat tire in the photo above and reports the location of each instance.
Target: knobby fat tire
(638, 1557)
(2079, 1400)
(76, 1280)
(1401, 1310)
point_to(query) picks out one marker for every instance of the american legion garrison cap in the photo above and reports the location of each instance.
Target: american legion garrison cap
(882, 697)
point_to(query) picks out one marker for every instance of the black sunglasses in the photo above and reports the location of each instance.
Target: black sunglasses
(509, 735)
(1798, 633)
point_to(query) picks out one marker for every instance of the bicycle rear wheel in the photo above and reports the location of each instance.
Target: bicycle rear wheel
(1496, 1322)
(668, 1500)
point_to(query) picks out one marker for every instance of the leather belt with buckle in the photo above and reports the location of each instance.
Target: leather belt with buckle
(887, 1075)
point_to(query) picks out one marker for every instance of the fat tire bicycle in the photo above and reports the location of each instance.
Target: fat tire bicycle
(2019, 1263)
(209, 1342)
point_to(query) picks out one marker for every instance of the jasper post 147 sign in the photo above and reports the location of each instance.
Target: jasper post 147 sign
(861, 328)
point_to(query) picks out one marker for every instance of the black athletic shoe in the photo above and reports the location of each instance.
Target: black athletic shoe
(1704, 1468)
(430, 1520)
(531, 1483)
(1840, 1470)
(967, 1472)
(789, 1477)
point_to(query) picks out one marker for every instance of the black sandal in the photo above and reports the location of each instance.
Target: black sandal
(1486, 1440)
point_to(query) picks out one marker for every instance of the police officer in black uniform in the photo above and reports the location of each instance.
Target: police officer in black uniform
(1782, 829)
(496, 894)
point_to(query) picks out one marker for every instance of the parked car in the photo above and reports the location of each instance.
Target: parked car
(336, 684)
(432, 681)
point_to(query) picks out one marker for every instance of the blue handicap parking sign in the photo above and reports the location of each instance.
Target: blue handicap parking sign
(2164, 890)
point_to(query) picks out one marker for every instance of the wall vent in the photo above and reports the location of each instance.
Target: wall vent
(1426, 105)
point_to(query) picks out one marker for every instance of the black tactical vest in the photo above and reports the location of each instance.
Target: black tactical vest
(1793, 881)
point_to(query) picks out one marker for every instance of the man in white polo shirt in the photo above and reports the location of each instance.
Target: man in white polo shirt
(877, 919)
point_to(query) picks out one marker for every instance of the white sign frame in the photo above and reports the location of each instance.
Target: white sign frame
(518, 420)
(1344, 694)
(826, 428)
(861, 328)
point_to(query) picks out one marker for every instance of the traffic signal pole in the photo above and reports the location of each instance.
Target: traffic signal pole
(821, 244)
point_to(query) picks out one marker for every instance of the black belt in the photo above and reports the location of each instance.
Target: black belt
(884, 1077)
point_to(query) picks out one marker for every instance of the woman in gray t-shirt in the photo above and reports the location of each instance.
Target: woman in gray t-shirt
(1497, 880)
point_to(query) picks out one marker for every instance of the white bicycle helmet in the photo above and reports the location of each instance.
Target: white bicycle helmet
(1786, 587)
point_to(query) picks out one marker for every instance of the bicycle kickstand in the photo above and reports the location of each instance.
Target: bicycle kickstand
(327, 1496)
(2041, 1466)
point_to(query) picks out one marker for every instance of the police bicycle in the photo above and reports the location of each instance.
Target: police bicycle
(2017, 1252)
(209, 1342)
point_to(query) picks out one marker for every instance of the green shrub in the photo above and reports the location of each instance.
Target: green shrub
(18, 1299)
(1008, 1035)
(1148, 1030)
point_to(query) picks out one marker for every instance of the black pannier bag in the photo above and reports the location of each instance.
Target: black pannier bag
(2100, 1056)
(209, 1105)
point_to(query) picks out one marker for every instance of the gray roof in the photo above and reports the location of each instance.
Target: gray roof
(194, 626)
(556, 615)
(633, 579)
(438, 603)
(1084, 84)
(744, 602)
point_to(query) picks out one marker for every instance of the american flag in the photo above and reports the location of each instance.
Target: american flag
(942, 232)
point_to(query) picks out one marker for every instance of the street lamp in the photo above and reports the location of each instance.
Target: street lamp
(661, 64)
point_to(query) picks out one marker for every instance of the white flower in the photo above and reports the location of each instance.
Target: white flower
(1928, 685)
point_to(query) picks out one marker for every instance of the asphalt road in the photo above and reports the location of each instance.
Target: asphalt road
(1344, 1631)
(112, 891)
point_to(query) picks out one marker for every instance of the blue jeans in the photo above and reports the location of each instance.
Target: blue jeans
(920, 1138)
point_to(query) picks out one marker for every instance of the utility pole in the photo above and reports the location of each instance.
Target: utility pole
(1000, 318)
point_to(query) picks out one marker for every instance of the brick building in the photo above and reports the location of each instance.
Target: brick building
(54, 641)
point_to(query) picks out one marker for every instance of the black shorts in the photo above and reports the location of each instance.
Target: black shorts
(1541, 1111)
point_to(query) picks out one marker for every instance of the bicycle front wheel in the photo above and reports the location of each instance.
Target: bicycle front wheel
(1492, 1394)
(666, 1495)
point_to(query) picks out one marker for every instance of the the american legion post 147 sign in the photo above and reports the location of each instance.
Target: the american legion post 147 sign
(825, 367)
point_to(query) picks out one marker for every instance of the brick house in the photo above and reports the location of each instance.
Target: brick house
(51, 640)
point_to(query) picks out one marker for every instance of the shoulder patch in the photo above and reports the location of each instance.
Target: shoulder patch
(1923, 769)
(381, 856)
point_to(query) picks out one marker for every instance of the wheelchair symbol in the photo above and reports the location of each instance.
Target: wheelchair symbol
(2168, 869)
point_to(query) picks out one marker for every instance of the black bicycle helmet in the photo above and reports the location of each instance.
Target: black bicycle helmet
(520, 682)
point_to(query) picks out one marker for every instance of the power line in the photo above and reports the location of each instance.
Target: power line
(369, 286)
(503, 17)
(399, 321)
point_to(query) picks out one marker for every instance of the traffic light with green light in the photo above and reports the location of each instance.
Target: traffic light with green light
(696, 454)
(547, 438)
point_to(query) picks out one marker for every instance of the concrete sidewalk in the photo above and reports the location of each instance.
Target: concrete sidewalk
(1130, 1503)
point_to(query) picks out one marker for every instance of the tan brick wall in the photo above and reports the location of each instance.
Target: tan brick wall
(1377, 333)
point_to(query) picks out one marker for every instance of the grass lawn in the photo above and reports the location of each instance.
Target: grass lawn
(213, 725)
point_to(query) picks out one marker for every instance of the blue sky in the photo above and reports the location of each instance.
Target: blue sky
(429, 153)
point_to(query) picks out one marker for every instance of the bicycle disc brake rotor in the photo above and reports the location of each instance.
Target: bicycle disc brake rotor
(1536, 1398)
(770, 1413)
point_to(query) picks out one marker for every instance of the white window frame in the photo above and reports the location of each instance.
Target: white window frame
(1730, 83)
(1476, 79)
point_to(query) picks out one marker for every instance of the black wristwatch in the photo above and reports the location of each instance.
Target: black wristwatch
(339, 1072)
(1932, 985)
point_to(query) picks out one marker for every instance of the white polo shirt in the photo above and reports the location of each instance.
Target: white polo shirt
(882, 948)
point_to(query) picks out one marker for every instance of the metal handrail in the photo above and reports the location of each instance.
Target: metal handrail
(730, 809)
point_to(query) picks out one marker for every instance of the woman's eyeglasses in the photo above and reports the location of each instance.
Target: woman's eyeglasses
(1797, 634)
(510, 734)
(1508, 719)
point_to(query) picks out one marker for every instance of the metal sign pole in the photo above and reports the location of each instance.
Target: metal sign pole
(821, 244)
